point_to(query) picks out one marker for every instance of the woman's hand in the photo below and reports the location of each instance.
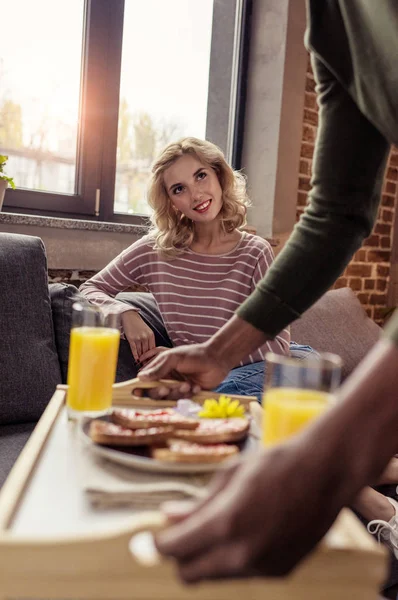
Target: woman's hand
(150, 354)
(140, 337)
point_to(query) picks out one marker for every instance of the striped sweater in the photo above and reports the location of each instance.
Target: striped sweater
(196, 293)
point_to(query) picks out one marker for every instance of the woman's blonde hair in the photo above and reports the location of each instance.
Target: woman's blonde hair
(173, 233)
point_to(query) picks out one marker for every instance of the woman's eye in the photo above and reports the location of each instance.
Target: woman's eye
(202, 175)
(178, 189)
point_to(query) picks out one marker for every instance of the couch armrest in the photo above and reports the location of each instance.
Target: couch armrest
(29, 367)
(338, 323)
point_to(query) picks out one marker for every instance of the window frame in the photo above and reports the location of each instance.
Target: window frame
(100, 90)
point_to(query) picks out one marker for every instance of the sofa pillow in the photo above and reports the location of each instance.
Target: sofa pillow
(29, 367)
(337, 323)
(148, 309)
(62, 298)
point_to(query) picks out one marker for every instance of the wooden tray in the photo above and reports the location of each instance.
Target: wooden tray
(123, 394)
(348, 564)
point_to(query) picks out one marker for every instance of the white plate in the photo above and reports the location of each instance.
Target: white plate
(131, 457)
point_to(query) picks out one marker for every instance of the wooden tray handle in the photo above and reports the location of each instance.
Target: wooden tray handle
(131, 384)
(123, 394)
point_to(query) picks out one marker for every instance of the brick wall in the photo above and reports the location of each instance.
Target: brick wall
(74, 276)
(368, 272)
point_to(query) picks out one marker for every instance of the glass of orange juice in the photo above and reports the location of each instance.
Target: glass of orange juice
(296, 392)
(93, 352)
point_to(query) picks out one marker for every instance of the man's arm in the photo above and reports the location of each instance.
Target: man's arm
(348, 169)
(209, 363)
(296, 489)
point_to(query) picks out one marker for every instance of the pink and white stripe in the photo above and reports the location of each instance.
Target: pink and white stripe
(196, 293)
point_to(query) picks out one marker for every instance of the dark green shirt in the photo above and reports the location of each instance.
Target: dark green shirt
(354, 51)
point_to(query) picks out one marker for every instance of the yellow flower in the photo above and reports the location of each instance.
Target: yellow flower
(223, 408)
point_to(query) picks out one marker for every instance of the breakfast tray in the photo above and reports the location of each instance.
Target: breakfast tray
(99, 564)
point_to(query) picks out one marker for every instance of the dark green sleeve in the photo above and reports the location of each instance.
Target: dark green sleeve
(348, 170)
(391, 330)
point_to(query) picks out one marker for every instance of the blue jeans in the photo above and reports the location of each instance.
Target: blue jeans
(249, 379)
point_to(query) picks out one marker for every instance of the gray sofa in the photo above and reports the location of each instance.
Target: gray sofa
(35, 320)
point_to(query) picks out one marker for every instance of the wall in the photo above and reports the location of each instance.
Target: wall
(74, 245)
(273, 117)
(368, 273)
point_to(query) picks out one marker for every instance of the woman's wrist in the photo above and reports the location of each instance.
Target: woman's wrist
(129, 313)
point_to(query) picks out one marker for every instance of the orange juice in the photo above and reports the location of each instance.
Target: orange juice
(287, 410)
(92, 367)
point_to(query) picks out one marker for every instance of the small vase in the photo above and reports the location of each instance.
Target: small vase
(3, 187)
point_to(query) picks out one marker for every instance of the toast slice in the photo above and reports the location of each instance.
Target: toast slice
(185, 452)
(140, 419)
(215, 431)
(109, 434)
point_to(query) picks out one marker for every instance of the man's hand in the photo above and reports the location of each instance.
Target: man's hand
(185, 389)
(207, 364)
(146, 357)
(262, 517)
(390, 473)
(195, 362)
(140, 337)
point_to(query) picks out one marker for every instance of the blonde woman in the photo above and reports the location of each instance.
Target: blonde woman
(196, 261)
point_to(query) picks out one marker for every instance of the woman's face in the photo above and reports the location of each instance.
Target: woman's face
(194, 189)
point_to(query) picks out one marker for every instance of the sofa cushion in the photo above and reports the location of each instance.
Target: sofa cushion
(337, 323)
(62, 298)
(148, 309)
(29, 367)
(12, 439)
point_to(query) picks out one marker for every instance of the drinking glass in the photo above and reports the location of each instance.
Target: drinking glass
(93, 352)
(296, 392)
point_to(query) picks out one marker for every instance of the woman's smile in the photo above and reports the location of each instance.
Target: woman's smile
(203, 206)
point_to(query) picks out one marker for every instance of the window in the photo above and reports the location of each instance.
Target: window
(39, 93)
(163, 88)
(93, 89)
